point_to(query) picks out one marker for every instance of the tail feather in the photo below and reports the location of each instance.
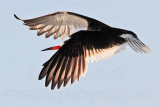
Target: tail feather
(136, 44)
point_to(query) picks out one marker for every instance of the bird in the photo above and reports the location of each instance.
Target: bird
(88, 40)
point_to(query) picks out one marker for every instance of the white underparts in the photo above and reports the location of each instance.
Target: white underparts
(135, 43)
(99, 54)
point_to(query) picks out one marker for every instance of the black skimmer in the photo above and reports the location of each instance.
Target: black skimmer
(89, 40)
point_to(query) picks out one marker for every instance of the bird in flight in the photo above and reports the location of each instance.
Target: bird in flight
(89, 40)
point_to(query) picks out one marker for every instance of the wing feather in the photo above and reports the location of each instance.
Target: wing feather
(62, 72)
(70, 61)
(51, 70)
(54, 23)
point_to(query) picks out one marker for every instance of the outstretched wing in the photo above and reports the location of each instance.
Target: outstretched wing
(61, 24)
(70, 61)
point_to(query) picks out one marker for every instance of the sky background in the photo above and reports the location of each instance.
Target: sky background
(127, 79)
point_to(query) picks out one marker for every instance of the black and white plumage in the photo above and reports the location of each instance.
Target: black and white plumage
(89, 40)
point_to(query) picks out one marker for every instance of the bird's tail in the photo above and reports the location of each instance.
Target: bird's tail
(136, 44)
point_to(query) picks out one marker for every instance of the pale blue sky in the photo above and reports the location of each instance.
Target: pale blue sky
(127, 79)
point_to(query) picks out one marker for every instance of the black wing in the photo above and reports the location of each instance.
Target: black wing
(62, 24)
(70, 61)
